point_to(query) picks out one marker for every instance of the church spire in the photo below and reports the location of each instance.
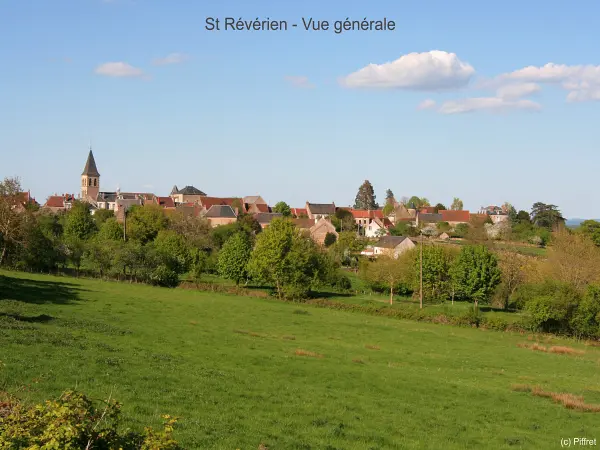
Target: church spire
(90, 166)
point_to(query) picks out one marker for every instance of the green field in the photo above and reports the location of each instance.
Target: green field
(228, 366)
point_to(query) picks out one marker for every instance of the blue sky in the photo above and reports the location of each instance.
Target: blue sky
(290, 115)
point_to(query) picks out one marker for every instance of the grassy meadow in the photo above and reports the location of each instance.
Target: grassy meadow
(241, 371)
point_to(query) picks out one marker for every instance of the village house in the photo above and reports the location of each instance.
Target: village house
(423, 219)
(255, 204)
(378, 227)
(402, 214)
(299, 213)
(392, 246)
(455, 217)
(495, 213)
(320, 229)
(57, 203)
(320, 210)
(220, 215)
(236, 203)
(265, 218)
(188, 194)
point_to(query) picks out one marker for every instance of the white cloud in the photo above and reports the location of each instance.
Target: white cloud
(429, 71)
(491, 104)
(427, 104)
(582, 81)
(514, 91)
(299, 81)
(118, 69)
(173, 58)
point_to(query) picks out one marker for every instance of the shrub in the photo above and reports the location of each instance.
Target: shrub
(74, 421)
(551, 305)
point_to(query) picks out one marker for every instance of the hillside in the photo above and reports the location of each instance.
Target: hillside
(242, 371)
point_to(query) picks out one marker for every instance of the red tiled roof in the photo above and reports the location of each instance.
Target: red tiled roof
(207, 202)
(299, 211)
(455, 216)
(55, 201)
(428, 210)
(366, 214)
(165, 202)
(261, 207)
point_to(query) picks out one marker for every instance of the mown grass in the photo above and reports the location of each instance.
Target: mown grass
(229, 367)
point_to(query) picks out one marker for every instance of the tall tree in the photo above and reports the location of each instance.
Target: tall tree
(365, 198)
(439, 207)
(343, 220)
(457, 204)
(389, 197)
(234, 256)
(417, 202)
(475, 273)
(79, 223)
(144, 222)
(283, 208)
(546, 216)
(11, 219)
(591, 228)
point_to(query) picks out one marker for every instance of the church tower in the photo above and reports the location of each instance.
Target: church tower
(90, 179)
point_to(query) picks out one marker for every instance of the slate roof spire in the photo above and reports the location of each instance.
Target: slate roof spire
(90, 168)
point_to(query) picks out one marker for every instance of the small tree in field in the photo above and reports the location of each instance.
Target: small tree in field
(475, 273)
(234, 257)
(387, 271)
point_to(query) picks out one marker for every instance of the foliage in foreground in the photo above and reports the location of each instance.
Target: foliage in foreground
(74, 422)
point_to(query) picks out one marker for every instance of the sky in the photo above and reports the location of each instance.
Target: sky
(488, 102)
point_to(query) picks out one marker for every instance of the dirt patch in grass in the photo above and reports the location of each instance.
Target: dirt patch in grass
(569, 401)
(535, 346)
(565, 350)
(358, 361)
(300, 352)
(241, 331)
(289, 338)
(373, 347)
(593, 343)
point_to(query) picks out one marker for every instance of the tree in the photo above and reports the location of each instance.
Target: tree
(546, 216)
(330, 239)
(343, 220)
(461, 230)
(238, 204)
(417, 202)
(403, 229)
(389, 197)
(475, 273)
(283, 208)
(457, 204)
(144, 222)
(195, 230)
(574, 259)
(437, 261)
(591, 229)
(439, 207)
(248, 224)
(388, 209)
(79, 223)
(514, 269)
(111, 230)
(523, 217)
(199, 264)
(173, 249)
(365, 198)
(102, 215)
(234, 256)
(286, 259)
(387, 271)
(11, 219)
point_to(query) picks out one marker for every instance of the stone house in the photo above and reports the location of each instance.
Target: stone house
(392, 246)
(265, 218)
(220, 215)
(319, 210)
(188, 194)
(320, 229)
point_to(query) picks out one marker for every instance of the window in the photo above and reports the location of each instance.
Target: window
(95, 181)
(89, 181)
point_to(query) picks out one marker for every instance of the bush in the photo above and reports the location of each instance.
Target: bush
(551, 305)
(73, 421)
(164, 276)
